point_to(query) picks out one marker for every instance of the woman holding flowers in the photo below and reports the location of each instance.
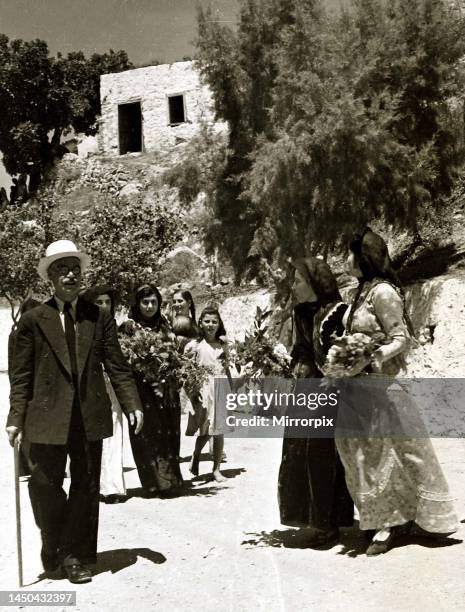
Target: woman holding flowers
(393, 480)
(311, 486)
(156, 447)
(206, 417)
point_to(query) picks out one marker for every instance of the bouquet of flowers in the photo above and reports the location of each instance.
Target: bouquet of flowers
(349, 355)
(157, 356)
(258, 354)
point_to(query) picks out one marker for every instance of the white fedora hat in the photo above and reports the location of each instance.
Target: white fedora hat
(58, 250)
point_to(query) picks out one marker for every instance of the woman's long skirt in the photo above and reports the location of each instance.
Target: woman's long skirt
(311, 487)
(392, 472)
(156, 448)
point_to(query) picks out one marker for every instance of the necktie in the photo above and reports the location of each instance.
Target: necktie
(70, 334)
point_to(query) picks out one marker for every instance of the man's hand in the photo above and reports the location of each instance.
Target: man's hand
(136, 418)
(14, 434)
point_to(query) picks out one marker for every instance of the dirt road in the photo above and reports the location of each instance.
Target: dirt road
(221, 547)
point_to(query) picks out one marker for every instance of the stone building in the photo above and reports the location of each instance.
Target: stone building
(152, 109)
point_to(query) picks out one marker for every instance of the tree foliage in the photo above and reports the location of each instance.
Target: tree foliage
(240, 69)
(42, 96)
(127, 243)
(21, 246)
(335, 119)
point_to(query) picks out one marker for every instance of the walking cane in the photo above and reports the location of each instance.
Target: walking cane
(18, 514)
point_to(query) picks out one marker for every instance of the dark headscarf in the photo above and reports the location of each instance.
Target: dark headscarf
(372, 257)
(91, 294)
(135, 313)
(319, 276)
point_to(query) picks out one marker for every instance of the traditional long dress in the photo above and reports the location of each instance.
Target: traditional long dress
(112, 476)
(156, 447)
(392, 480)
(209, 416)
(311, 486)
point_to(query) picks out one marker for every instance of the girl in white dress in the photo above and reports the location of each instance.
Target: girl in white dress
(208, 416)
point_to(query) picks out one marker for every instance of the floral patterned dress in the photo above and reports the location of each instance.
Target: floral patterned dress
(392, 480)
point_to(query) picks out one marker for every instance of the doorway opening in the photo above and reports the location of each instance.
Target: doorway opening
(130, 127)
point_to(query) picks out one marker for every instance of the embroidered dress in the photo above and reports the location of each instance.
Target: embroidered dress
(392, 480)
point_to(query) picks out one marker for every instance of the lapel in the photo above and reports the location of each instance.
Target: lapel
(86, 318)
(50, 323)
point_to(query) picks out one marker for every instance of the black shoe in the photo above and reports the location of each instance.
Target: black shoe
(77, 573)
(324, 538)
(114, 498)
(381, 547)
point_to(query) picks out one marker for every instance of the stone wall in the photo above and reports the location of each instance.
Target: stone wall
(151, 86)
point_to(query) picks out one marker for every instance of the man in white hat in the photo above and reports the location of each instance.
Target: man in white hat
(59, 408)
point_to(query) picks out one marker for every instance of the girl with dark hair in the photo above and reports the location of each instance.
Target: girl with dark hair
(393, 481)
(206, 418)
(183, 320)
(112, 487)
(311, 485)
(156, 447)
(183, 305)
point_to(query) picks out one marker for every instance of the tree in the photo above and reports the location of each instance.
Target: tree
(21, 246)
(354, 119)
(42, 96)
(127, 243)
(239, 67)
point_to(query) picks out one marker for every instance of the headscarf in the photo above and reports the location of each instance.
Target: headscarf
(135, 313)
(92, 293)
(372, 257)
(319, 276)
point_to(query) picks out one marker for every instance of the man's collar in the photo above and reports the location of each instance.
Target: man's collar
(61, 304)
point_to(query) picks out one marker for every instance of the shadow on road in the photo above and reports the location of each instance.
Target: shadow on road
(282, 538)
(115, 560)
(189, 490)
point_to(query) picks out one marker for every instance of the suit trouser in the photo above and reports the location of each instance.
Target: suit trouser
(68, 524)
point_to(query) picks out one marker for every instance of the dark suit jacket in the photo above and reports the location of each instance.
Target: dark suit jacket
(42, 390)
